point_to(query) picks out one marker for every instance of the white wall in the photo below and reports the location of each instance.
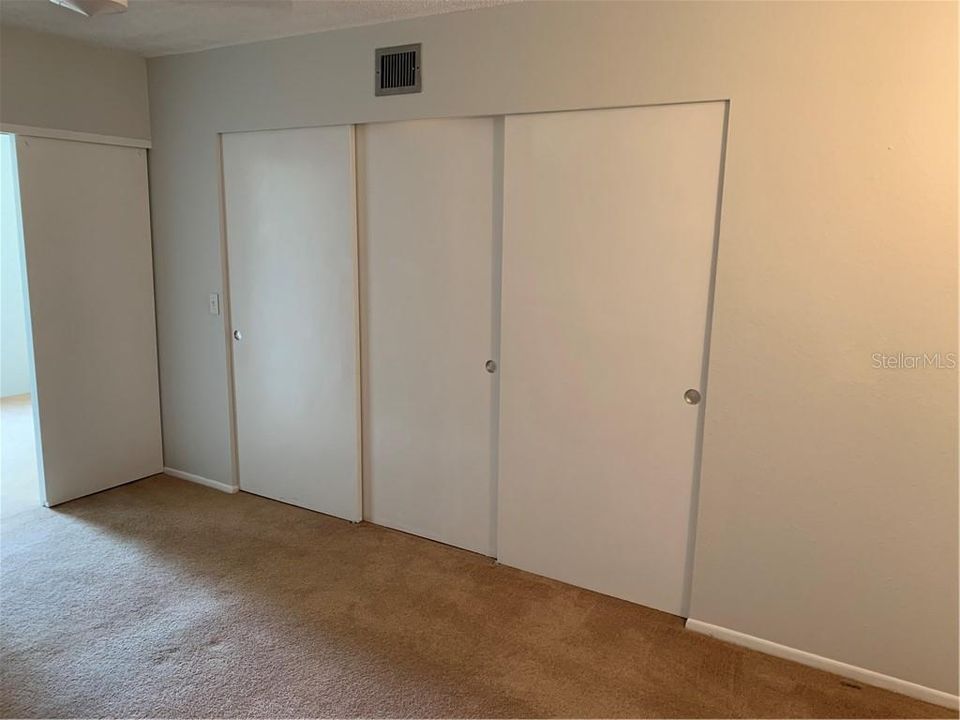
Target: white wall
(828, 514)
(14, 363)
(47, 81)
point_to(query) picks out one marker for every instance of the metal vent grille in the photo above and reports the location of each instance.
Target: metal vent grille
(398, 70)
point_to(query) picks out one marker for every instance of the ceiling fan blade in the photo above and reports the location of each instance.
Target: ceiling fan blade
(89, 8)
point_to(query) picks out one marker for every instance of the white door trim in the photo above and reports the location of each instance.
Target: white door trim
(58, 134)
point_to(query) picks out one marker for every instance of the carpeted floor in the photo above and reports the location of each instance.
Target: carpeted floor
(166, 599)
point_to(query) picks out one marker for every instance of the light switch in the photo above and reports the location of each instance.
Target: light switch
(214, 303)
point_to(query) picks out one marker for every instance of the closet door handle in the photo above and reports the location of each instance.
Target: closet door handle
(491, 366)
(237, 335)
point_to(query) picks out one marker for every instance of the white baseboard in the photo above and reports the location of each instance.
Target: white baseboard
(200, 480)
(868, 677)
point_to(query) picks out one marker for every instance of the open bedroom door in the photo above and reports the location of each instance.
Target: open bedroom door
(89, 271)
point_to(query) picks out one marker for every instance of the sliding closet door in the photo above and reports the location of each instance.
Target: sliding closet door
(609, 225)
(86, 232)
(427, 277)
(292, 255)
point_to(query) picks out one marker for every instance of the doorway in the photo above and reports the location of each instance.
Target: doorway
(19, 467)
(94, 360)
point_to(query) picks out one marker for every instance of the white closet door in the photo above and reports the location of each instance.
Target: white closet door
(292, 255)
(86, 229)
(427, 274)
(609, 223)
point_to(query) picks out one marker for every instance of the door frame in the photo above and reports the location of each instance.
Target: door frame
(25, 134)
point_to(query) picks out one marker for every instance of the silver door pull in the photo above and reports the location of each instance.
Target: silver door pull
(237, 335)
(491, 366)
(692, 397)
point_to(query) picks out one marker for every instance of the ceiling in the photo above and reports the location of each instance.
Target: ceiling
(166, 27)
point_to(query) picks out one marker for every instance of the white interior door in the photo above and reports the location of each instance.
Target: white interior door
(290, 199)
(609, 225)
(427, 276)
(86, 231)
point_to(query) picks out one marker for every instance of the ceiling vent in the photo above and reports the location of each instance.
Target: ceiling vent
(398, 70)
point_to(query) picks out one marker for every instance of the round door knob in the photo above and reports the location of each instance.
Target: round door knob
(237, 335)
(491, 366)
(692, 397)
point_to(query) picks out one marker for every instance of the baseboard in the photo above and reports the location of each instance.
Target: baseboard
(868, 677)
(200, 480)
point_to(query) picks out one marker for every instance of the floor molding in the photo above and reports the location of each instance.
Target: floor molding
(868, 677)
(200, 480)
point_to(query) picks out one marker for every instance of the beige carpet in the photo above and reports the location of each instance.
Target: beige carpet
(163, 598)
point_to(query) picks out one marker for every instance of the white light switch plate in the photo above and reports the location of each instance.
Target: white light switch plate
(214, 303)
